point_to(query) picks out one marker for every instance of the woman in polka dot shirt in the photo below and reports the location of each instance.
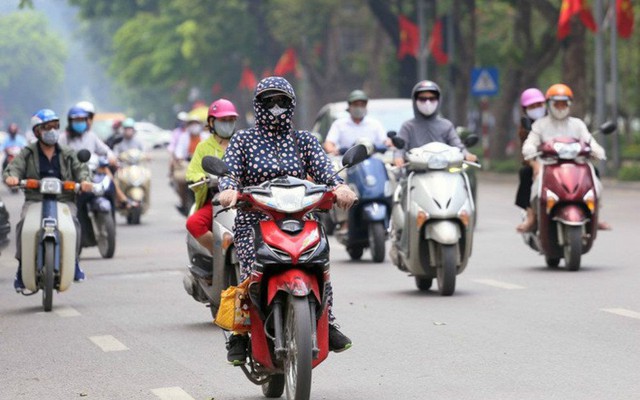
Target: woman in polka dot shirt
(271, 149)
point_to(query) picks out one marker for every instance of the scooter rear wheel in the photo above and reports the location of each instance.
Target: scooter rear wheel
(48, 278)
(274, 388)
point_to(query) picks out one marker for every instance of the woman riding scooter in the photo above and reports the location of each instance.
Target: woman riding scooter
(221, 121)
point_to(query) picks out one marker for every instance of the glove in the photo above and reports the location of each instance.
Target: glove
(345, 197)
(228, 198)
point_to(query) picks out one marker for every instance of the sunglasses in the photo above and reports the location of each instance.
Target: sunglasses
(273, 100)
(50, 125)
(424, 99)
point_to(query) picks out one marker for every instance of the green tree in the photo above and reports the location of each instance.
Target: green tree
(32, 64)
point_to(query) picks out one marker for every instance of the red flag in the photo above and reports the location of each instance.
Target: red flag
(625, 18)
(286, 63)
(247, 79)
(569, 9)
(409, 38)
(436, 44)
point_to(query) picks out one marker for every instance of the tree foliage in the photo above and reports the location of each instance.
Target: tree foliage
(32, 75)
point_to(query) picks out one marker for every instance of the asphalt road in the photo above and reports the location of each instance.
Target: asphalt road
(513, 330)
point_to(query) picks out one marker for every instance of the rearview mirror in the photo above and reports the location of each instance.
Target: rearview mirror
(471, 140)
(391, 134)
(214, 166)
(84, 155)
(608, 127)
(398, 142)
(355, 155)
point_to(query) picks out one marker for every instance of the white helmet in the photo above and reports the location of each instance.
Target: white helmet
(87, 106)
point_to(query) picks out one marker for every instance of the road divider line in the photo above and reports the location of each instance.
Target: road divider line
(108, 343)
(623, 312)
(67, 312)
(498, 284)
(171, 393)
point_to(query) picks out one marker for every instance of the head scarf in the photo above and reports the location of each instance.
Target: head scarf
(265, 121)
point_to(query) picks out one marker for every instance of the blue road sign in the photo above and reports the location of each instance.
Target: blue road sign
(484, 81)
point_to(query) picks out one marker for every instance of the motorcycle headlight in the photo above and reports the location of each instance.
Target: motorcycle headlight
(288, 200)
(567, 151)
(50, 186)
(437, 161)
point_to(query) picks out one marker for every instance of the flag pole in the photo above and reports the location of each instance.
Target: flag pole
(614, 81)
(600, 92)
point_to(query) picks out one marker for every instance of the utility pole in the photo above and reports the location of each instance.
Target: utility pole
(615, 148)
(422, 52)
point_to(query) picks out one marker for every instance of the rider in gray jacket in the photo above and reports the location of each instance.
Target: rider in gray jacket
(427, 126)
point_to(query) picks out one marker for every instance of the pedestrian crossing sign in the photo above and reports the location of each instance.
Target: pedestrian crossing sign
(484, 81)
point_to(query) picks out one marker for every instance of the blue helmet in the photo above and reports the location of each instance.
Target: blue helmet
(77, 112)
(42, 117)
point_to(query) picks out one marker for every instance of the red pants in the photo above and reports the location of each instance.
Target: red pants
(201, 221)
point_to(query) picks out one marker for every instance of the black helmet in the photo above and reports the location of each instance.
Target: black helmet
(425, 86)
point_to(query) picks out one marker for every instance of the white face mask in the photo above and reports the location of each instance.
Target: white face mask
(536, 113)
(427, 108)
(277, 110)
(559, 114)
(50, 137)
(358, 112)
(194, 129)
(224, 129)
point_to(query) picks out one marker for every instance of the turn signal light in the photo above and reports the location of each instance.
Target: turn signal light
(590, 201)
(421, 218)
(552, 199)
(69, 185)
(464, 217)
(32, 184)
(227, 240)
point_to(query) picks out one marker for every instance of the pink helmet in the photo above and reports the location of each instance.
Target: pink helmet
(222, 108)
(531, 96)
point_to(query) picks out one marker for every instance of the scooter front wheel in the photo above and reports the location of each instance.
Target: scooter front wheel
(573, 247)
(106, 235)
(275, 387)
(299, 355)
(48, 277)
(377, 239)
(447, 271)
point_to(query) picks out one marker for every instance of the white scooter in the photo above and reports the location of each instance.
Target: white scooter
(208, 276)
(48, 238)
(433, 217)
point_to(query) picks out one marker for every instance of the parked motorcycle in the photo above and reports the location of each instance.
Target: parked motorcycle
(135, 181)
(49, 238)
(433, 216)
(289, 316)
(567, 202)
(99, 229)
(368, 220)
(208, 276)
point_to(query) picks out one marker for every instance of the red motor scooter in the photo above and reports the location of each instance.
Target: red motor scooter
(567, 202)
(289, 333)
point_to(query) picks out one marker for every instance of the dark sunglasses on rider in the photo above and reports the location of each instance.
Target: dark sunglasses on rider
(270, 100)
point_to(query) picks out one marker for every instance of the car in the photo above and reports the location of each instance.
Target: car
(390, 112)
(151, 135)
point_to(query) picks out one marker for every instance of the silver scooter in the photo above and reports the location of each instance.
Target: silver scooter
(433, 217)
(207, 276)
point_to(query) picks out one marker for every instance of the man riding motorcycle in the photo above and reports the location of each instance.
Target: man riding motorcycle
(46, 158)
(129, 141)
(13, 143)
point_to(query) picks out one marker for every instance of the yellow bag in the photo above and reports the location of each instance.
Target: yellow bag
(233, 314)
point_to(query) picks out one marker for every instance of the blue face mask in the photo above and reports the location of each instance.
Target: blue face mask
(79, 126)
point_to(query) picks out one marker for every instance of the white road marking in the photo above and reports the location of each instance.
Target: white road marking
(171, 393)
(623, 312)
(498, 284)
(67, 312)
(108, 343)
